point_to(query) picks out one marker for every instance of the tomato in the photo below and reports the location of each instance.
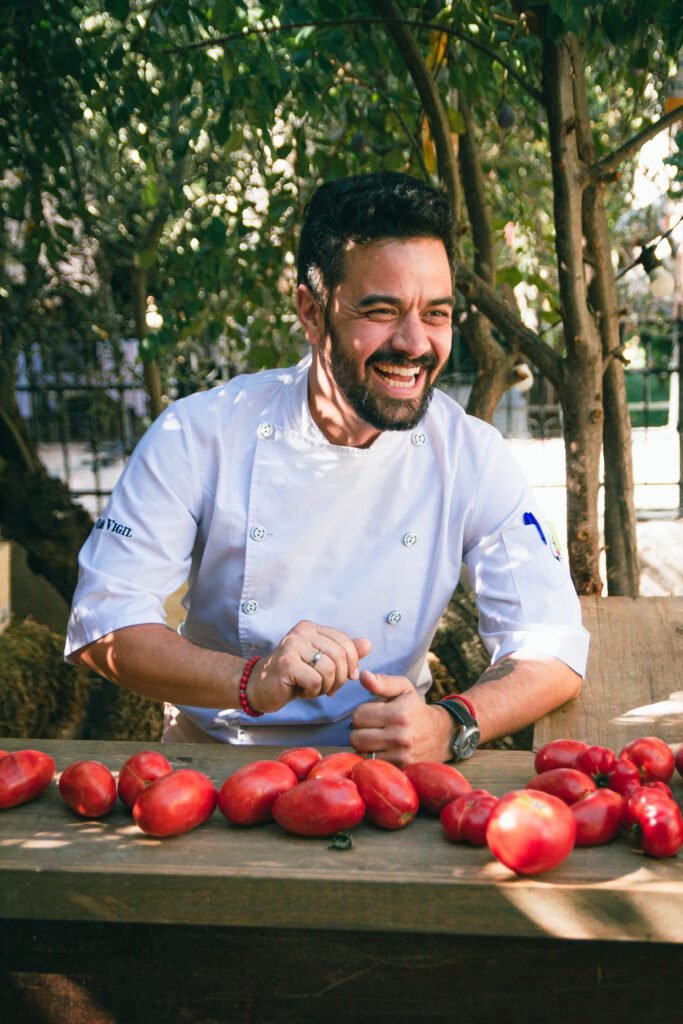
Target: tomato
(678, 760)
(248, 795)
(568, 784)
(436, 784)
(300, 760)
(465, 818)
(88, 788)
(623, 776)
(652, 756)
(3, 753)
(660, 829)
(558, 754)
(639, 801)
(137, 773)
(531, 832)
(175, 803)
(597, 762)
(390, 798)
(320, 806)
(598, 817)
(341, 763)
(24, 775)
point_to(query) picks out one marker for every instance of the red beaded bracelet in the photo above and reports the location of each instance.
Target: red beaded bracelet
(465, 701)
(244, 700)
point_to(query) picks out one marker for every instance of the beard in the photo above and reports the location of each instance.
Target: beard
(379, 410)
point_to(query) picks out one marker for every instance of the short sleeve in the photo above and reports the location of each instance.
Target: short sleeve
(140, 548)
(526, 598)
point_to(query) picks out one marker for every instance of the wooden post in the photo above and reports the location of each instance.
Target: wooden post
(5, 588)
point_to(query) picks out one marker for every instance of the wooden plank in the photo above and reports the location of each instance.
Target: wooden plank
(56, 866)
(5, 584)
(634, 682)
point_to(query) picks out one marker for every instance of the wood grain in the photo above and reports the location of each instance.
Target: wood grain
(634, 681)
(56, 866)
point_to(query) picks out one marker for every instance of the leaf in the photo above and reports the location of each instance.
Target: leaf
(119, 8)
(341, 841)
(456, 122)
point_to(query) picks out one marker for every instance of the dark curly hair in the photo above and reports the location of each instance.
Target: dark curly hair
(363, 208)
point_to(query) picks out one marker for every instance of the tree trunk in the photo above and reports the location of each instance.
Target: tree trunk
(150, 367)
(580, 386)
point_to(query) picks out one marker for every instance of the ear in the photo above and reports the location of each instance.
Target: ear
(310, 315)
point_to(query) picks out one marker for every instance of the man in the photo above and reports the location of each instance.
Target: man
(321, 515)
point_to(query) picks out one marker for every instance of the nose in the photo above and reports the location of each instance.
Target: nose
(410, 336)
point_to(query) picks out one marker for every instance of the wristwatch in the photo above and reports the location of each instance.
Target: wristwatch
(466, 739)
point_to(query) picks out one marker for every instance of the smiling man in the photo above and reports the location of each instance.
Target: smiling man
(321, 516)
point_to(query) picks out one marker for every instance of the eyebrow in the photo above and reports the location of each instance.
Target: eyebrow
(393, 300)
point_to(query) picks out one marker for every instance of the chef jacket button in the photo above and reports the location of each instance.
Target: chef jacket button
(249, 607)
(258, 532)
(419, 438)
(393, 618)
(265, 429)
(409, 539)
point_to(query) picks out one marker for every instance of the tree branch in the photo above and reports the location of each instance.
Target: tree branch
(611, 162)
(499, 313)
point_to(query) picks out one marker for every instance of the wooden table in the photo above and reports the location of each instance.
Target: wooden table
(100, 923)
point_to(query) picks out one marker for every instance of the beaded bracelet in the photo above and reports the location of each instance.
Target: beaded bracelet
(244, 700)
(465, 701)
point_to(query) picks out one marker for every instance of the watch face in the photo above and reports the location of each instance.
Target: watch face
(468, 743)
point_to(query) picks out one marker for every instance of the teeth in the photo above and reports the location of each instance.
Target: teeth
(402, 371)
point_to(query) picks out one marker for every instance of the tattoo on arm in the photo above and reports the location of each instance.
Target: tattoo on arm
(498, 671)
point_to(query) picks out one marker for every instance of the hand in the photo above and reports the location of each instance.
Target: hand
(287, 673)
(399, 726)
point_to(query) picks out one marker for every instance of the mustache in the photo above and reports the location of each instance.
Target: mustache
(428, 360)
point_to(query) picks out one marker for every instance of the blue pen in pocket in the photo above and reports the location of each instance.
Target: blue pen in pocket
(530, 519)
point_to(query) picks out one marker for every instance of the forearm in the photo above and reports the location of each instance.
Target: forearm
(157, 662)
(518, 690)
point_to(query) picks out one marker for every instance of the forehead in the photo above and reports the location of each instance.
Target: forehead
(407, 262)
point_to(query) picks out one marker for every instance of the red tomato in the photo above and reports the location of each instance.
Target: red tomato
(558, 754)
(341, 763)
(88, 788)
(531, 832)
(436, 784)
(24, 775)
(568, 784)
(639, 801)
(3, 753)
(137, 773)
(623, 776)
(465, 818)
(390, 798)
(678, 760)
(248, 795)
(597, 762)
(300, 760)
(661, 829)
(320, 807)
(598, 817)
(175, 803)
(652, 756)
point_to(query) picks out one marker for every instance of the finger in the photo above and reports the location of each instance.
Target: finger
(349, 647)
(326, 665)
(386, 687)
(368, 741)
(372, 714)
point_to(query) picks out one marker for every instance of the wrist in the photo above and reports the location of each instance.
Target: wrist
(245, 704)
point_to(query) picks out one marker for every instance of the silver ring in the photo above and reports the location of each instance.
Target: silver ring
(316, 658)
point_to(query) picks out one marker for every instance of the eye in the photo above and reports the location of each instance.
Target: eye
(440, 314)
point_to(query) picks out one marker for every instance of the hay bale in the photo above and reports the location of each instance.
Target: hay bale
(40, 696)
(115, 713)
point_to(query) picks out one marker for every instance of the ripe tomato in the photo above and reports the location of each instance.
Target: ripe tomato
(639, 801)
(137, 773)
(320, 807)
(652, 756)
(436, 784)
(660, 829)
(88, 788)
(598, 817)
(623, 776)
(568, 784)
(390, 798)
(341, 763)
(678, 760)
(175, 803)
(300, 760)
(531, 832)
(24, 775)
(465, 818)
(248, 795)
(558, 754)
(597, 762)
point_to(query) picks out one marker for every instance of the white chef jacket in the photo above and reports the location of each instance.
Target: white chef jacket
(239, 492)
